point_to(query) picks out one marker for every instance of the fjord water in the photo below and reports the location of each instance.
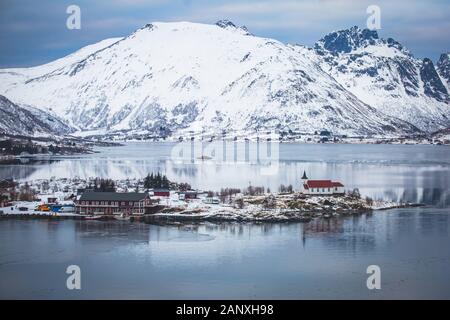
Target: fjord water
(326, 258)
(322, 259)
(415, 173)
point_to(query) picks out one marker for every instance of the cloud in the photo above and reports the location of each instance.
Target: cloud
(29, 29)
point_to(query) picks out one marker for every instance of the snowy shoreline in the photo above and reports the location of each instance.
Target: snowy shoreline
(292, 207)
(286, 208)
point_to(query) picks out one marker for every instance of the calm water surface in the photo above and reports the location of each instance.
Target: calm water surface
(416, 173)
(320, 259)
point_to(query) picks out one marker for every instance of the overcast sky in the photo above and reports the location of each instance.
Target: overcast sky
(34, 32)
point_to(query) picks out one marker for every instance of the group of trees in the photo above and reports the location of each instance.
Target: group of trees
(16, 147)
(286, 189)
(255, 191)
(184, 186)
(228, 193)
(158, 181)
(354, 194)
(211, 193)
(8, 191)
(25, 193)
(103, 185)
(54, 149)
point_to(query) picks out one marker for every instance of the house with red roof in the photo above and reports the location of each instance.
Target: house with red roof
(321, 187)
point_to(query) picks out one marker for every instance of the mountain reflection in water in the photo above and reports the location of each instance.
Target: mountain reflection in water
(413, 173)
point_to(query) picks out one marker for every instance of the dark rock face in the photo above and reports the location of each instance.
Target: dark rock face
(228, 24)
(443, 67)
(408, 76)
(186, 114)
(433, 86)
(392, 73)
(225, 23)
(348, 40)
(28, 121)
(392, 43)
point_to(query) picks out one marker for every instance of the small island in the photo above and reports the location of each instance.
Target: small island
(156, 199)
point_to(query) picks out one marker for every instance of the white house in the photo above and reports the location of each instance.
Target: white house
(321, 187)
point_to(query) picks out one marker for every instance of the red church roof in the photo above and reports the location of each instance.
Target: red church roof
(322, 184)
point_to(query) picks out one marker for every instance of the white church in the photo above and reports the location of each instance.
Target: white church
(321, 187)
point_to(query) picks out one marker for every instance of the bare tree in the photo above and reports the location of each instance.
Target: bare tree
(239, 203)
(269, 202)
(354, 194)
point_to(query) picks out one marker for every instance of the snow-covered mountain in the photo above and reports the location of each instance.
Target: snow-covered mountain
(169, 78)
(443, 68)
(385, 75)
(29, 121)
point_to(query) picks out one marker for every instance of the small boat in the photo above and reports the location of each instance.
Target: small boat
(204, 158)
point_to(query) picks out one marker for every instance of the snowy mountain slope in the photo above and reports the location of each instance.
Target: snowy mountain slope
(12, 77)
(170, 77)
(443, 69)
(59, 63)
(383, 74)
(29, 121)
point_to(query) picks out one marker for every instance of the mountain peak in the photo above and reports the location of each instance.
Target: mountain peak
(443, 68)
(148, 26)
(444, 58)
(347, 40)
(225, 23)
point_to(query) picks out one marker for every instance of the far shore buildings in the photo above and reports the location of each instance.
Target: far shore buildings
(159, 192)
(321, 187)
(110, 203)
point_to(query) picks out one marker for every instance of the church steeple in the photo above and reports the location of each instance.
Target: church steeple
(304, 175)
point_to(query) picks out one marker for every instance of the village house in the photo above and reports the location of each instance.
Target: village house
(7, 190)
(187, 195)
(321, 187)
(160, 192)
(110, 203)
(49, 198)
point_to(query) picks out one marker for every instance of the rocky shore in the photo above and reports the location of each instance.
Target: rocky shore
(274, 208)
(288, 207)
